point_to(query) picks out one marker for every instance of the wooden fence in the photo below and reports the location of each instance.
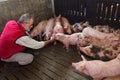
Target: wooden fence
(95, 11)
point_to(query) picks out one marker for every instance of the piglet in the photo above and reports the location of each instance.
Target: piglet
(75, 27)
(68, 39)
(39, 29)
(49, 28)
(58, 26)
(98, 69)
(66, 25)
(78, 27)
(88, 31)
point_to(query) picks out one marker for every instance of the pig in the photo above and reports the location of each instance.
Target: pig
(78, 27)
(94, 33)
(86, 41)
(87, 50)
(106, 29)
(99, 51)
(85, 24)
(98, 69)
(116, 32)
(58, 27)
(39, 29)
(75, 27)
(102, 28)
(100, 42)
(98, 28)
(66, 25)
(112, 51)
(68, 39)
(49, 28)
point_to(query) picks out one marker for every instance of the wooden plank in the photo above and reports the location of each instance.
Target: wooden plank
(9, 76)
(49, 67)
(58, 68)
(19, 76)
(2, 77)
(29, 74)
(37, 72)
(59, 60)
(48, 72)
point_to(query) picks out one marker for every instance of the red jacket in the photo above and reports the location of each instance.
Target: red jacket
(10, 34)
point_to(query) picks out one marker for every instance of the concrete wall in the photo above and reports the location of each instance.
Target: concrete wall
(12, 9)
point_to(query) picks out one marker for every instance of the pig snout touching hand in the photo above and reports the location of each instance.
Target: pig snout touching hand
(98, 69)
(62, 38)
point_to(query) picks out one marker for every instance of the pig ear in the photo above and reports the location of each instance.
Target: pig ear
(83, 58)
(81, 67)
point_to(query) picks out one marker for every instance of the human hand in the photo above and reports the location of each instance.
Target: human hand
(52, 37)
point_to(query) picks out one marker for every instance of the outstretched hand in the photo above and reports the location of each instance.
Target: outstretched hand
(52, 39)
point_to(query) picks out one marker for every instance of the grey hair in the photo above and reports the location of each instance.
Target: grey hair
(25, 18)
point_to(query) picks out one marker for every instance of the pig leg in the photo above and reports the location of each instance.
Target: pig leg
(78, 49)
(67, 47)
(86, 50)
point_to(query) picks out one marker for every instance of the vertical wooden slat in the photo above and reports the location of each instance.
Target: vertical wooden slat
(96, 11)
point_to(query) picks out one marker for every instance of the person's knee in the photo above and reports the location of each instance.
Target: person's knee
(29, 58)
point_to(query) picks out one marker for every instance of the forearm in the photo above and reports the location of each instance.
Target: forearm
(30, 43)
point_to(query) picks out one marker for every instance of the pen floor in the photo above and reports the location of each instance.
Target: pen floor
(50, 63)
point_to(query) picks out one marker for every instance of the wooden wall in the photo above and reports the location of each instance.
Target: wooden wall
(12, 9)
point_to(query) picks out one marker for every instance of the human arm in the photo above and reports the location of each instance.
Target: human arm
(31, 43)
